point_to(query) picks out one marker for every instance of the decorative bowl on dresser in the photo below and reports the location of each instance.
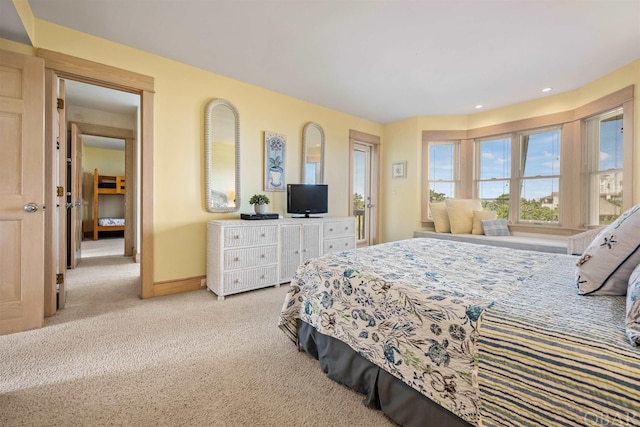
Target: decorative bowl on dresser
(245, 255)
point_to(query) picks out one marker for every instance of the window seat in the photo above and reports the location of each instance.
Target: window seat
(527, 241)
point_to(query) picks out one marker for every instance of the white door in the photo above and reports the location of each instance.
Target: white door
(363, 196)
(21, 192)
(74, 201)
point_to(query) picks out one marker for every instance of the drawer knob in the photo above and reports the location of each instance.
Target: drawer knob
(346, 244)
(331, 229)
(236, 281)
(263, 235)
(262, 277)
(236, 259)
(296, 252)
(262, 256)
(236, 237)
(330, 246)
(347, 227)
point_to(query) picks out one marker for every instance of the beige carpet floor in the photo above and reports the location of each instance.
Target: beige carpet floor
(110, 358)
(102, 247)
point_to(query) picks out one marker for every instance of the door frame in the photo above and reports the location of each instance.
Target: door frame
(128, 137)
(374, 141)
(82, 70)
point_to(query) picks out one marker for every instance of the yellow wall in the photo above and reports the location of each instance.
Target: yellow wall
(403, 140)
(181, 94)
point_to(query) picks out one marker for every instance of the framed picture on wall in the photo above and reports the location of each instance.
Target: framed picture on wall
(274, 151)
(399, 169)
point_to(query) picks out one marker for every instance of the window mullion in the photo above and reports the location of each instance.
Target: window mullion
(514, 190)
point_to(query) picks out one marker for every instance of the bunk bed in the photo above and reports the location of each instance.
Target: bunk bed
(106, 184)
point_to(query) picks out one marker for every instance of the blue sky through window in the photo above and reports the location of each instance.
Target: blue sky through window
(611, 144)
(540, 157)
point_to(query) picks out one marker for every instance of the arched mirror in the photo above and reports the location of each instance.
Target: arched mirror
(222, 156)
(312, 154)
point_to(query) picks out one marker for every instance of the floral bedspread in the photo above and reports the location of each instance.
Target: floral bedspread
(412, 307)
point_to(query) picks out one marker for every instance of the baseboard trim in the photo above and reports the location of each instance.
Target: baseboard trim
(171, 287)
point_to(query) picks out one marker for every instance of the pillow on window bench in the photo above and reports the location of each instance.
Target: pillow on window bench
(478, 217)
(496, 227)
(440, 217)
(461, 214)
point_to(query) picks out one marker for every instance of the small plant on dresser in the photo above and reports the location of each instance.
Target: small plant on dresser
(259, 201)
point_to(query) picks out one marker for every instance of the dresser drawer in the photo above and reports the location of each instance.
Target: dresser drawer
(339, 244)
(250, 257)
(250, 236)
(337, 229)
(240, 280)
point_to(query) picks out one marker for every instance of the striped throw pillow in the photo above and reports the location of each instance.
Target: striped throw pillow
(495, 227)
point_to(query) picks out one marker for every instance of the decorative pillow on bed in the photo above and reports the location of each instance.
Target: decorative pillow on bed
(495, 227)
(633, 307)
(607, 263)
(461, 214)
(478, 216)
(440, 217)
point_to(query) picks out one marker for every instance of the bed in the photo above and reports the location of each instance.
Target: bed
(106, 185)
(446, 333)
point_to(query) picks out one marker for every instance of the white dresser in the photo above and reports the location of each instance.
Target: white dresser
(247, 254)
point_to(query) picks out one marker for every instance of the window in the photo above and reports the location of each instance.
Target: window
(494, 174)
(443, 170)
(604, 158)
(539, 176)
(515, 167)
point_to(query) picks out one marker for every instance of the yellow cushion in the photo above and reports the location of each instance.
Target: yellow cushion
(440, 217)
(478, 216)
(461, 214)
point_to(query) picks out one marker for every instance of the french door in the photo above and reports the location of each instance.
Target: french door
(364, 191)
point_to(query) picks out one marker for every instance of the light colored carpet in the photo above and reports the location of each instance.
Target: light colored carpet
(105, 246)
(110, 358)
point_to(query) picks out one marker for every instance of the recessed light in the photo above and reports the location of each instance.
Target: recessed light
(479, 106)
(547, 89)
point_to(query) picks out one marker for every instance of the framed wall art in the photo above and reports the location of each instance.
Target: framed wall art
(399, 169)
(274, 150)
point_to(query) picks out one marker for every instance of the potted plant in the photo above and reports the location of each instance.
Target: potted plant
(259, 201)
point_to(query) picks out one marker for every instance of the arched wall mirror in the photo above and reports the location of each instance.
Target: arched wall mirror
(312, 154)
(222, 156)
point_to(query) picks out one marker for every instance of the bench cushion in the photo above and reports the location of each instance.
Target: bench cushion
(551, 244)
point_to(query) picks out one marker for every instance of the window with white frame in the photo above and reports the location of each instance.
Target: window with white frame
(494, 174)
(539, 176)
(443, 170)
(604, 159)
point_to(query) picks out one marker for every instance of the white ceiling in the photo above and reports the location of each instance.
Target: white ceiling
(93, 97)
(382, 60)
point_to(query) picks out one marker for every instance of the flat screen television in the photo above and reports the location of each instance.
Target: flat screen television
(307, 199)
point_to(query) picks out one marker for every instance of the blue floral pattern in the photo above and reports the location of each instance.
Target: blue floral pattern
(632, 319)
(413, 308)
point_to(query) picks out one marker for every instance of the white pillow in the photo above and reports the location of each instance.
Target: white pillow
(478, 216)
(607, 263)
(461, 214)
(440, 217)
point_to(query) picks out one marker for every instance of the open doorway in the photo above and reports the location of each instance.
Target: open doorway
(103, 127)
